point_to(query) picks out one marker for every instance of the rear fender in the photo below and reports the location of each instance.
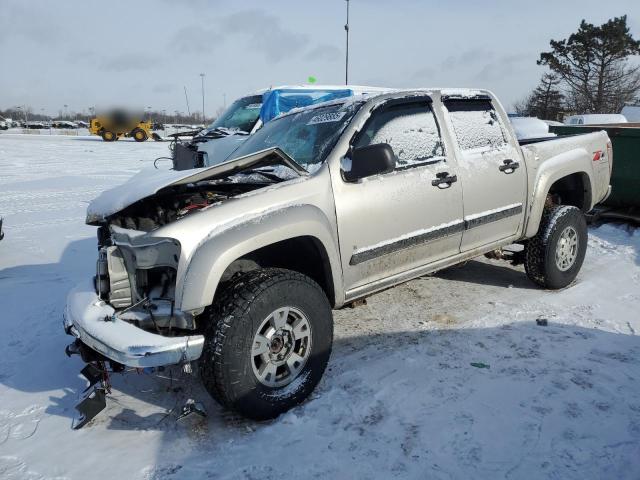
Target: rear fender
(549, 172)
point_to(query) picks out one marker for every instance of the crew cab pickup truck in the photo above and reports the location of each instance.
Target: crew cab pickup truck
(239, 265)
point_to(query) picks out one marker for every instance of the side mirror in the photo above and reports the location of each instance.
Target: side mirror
(369, 160)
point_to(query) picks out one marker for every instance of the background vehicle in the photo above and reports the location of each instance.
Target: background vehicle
(119, 124)
(595, 119)
(64, 124)
(246, 115)
(631, 113)
(241, 263)
(4, 123)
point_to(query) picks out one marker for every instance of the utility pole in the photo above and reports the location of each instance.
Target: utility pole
(187, 99)
(346, 63)
(202, 81)
(65, 111)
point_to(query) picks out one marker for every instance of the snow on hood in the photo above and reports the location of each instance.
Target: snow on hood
(149, 182)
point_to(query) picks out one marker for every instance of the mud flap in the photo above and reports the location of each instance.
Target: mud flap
(93, 398)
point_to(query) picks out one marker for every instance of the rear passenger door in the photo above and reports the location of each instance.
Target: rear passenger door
(491, 171)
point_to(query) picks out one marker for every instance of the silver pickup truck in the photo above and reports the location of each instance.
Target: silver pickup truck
(239, 265)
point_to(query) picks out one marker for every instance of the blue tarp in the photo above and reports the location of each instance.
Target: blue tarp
(275, 102)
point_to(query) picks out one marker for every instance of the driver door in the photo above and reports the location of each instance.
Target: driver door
(395, 222)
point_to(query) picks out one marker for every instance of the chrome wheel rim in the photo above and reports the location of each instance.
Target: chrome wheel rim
(281, 347)
(567, 249)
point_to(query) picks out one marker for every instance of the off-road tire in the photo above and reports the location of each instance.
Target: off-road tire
(108, 136)
(139, 135)
(540, 251)
(226, 362)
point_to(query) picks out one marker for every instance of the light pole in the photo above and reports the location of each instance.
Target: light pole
(346, 63)
(202, 81)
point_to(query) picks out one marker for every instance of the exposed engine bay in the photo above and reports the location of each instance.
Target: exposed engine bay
(174, 203)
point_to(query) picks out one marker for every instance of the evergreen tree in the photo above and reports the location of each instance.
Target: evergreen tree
(546, 101)
(594, 68)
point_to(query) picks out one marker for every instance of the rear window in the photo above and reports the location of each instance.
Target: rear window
(475, 124)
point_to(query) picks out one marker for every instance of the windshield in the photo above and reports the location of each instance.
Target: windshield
(306, 136)
(241, 115)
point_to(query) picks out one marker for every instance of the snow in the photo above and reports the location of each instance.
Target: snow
(530, 127)
(476, 129)
(398, 400)
(414, 137)
(492, 211)
(416, 233)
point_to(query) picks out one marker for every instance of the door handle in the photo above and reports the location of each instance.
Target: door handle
(509, 166)
(444, 180)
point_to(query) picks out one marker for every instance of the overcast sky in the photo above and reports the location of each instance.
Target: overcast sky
(85, 53)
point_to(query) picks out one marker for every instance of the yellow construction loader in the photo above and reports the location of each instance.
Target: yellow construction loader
(120, 124)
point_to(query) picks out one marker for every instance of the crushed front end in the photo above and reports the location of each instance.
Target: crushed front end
(126, 316)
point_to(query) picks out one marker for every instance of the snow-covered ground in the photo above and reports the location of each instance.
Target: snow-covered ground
(400, 398)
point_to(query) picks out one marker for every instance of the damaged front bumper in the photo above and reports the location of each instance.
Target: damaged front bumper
(92, 321)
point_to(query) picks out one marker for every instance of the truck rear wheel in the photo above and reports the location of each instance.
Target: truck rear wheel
(554, 256)
(108, 136)
(139, 135)
(267, 343)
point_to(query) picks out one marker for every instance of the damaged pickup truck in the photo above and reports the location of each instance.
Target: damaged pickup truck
(238, 266)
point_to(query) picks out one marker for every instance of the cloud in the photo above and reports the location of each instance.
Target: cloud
(265, 33)
(501, 67)
(196, 39)
(324, 53)
(260, 31)
(129, 62)
(424, 73)
(466, 58)
(164, 88)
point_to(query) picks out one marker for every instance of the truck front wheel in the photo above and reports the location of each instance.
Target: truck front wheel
(139, 135)
(267, 343)
(554, 256)
(108, 136)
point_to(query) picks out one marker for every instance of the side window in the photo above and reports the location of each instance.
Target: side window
(476, 124)
(410, 129)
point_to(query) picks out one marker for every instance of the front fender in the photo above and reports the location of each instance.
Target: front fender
(549, 172)
(215, 253)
